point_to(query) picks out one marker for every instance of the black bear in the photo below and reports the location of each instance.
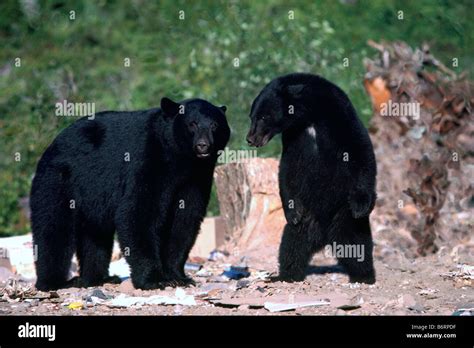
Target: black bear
(327, 173)
(146, 175)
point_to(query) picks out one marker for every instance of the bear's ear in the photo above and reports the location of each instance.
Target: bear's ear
(169, 107)
(223, 108)
(296, 91)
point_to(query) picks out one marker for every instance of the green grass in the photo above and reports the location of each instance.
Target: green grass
(83, 60)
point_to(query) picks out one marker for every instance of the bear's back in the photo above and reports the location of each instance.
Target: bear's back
(100, 159)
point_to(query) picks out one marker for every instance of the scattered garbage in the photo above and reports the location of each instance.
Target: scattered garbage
(17, 289)
(236, 272)
(213, 286)
(216, 255)
(467, 310)
(120, 268)
(280, 303)
(354, 303)
(465, 272)
(243, 283)
(203, 273)
(180, 298)
(192, 267)
(75, 305)
(41, 295)
(282, 306)
(19, 250)
(428, 293)
(463, 277)
(262, 275)
(99, 294)
(96, 297)
(251, 302)
(417, 308)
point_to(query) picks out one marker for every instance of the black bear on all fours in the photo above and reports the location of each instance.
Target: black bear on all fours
(146, 175)
(327, 172)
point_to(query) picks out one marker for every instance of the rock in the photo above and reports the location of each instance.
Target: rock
(214, 286)
(250, 203)
(406, 301)
(395, 260)
(243, 283)
(99, 294)
(417, 308)
(126, 287)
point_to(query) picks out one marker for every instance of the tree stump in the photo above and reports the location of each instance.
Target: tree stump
(250, 203)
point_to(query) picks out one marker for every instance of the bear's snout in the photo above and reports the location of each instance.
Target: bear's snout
(202, 148)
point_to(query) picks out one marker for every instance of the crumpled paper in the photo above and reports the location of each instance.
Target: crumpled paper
(180, 298)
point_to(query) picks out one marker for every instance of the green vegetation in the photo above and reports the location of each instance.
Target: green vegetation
(82, 60)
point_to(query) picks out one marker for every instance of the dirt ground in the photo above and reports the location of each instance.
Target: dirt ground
(434, 285)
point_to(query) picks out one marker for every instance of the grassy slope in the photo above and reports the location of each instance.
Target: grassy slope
(82, 60)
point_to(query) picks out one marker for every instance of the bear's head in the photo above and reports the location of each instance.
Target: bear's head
(275, 110)
(199, 127)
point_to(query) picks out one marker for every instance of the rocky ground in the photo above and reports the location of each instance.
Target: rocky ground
(433, 285)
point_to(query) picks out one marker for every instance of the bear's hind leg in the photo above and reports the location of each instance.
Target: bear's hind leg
(94, 251)
(354, 246)
(54, 248)
(51, 222)
(296, 248)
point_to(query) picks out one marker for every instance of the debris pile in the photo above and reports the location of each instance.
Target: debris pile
(423, 134)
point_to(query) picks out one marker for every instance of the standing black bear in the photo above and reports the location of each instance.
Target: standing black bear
(327, 172)
(145, 174)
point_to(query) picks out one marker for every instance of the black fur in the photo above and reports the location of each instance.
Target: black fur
(155, 201)
(325, 198)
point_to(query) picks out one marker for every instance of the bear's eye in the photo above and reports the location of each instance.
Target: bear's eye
(213, 126)
(193, 125)
(262, 117)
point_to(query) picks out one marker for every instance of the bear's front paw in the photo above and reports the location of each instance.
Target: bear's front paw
(180, 282)
(362, 203)
(148, 285)
(367, 279)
